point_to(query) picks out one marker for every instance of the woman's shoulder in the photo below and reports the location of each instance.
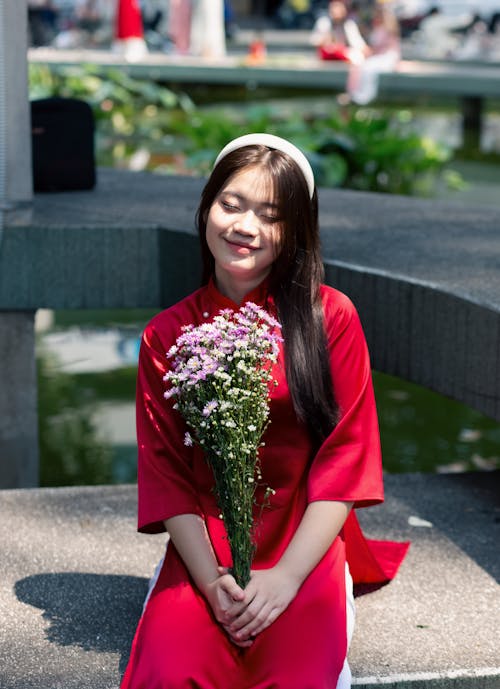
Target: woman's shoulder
(336, 302)
(338, 309)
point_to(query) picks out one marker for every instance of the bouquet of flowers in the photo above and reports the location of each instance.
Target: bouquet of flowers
(220, 378)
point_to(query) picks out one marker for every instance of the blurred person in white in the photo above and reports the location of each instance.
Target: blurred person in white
(439, 34)
(382, 54)
(208, 37)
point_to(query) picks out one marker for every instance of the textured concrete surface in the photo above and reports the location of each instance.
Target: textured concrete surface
(73, 575)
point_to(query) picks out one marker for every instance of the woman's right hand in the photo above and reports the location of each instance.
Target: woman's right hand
(226, 598)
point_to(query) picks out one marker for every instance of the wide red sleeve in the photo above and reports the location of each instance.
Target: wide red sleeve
(164, 475)
(348, 464)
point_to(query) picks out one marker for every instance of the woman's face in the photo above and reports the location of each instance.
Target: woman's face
(338, 11)
(244, 228)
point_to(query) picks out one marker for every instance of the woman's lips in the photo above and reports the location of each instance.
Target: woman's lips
(238, 248)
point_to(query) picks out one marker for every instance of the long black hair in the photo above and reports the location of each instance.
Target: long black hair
(294, 281)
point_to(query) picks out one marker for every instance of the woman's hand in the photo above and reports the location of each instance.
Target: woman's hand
(268, 593)
(227, 600)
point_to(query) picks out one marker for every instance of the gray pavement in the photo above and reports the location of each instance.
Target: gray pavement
(74, 573)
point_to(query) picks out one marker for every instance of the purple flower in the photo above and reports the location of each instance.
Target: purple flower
(210, 407)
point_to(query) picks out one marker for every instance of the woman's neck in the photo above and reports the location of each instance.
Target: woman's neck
(236, 289)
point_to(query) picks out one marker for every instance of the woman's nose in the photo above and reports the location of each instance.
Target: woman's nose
(248, 222)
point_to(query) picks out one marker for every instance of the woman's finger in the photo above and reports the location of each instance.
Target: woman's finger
(256, 613)
(243, 643)
(271, 617)
(229, 586)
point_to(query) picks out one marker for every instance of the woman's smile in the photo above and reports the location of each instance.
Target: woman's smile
(240, 247)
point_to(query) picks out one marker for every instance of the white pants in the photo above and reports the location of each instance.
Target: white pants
(363, 78)
(345, 677)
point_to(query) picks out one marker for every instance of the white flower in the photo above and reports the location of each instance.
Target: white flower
(188, 441)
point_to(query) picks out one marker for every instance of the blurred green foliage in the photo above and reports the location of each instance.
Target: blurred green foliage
(144, 125)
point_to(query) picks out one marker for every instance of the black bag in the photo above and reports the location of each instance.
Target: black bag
(62, 134)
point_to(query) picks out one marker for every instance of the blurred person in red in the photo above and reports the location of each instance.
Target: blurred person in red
(337, 35)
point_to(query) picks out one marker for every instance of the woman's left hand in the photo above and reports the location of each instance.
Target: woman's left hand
(268, 593)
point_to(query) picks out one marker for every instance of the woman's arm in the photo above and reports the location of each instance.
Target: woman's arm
(190, 537)
(270, 591)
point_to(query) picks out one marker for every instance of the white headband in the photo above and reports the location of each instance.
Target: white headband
(277, 143)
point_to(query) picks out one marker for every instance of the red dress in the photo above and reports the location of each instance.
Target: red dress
(178, 644)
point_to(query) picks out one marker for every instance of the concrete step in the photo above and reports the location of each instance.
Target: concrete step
(74, 573)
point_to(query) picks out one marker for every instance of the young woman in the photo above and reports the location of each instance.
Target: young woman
(258, 225)
(382, 54)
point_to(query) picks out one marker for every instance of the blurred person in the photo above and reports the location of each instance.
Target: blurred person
(382, 54)
(86, 23)
(42, 22)
(295, 14)
(208, 37)
(152, 14)
(155, 21)
(437, 36)
(494, 33)
(88, 15)
(230, 26)
(337, 36)
(179, 25)
(475, 43)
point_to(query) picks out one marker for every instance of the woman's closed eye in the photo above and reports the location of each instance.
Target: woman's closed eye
(231, 207)
(270, 218)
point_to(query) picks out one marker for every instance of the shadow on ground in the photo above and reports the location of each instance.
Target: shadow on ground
(95, 612)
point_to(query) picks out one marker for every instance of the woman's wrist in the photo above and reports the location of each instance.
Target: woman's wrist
(206, 583)
(189, 535)
(288, 571)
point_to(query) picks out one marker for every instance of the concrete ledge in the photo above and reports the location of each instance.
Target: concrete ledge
(74, 574)
(295, 70)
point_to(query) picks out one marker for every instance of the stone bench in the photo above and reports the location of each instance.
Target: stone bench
(74, 574)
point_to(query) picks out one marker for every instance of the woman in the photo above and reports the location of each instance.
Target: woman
(258, 225)
(382, 54)
(337, 35)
